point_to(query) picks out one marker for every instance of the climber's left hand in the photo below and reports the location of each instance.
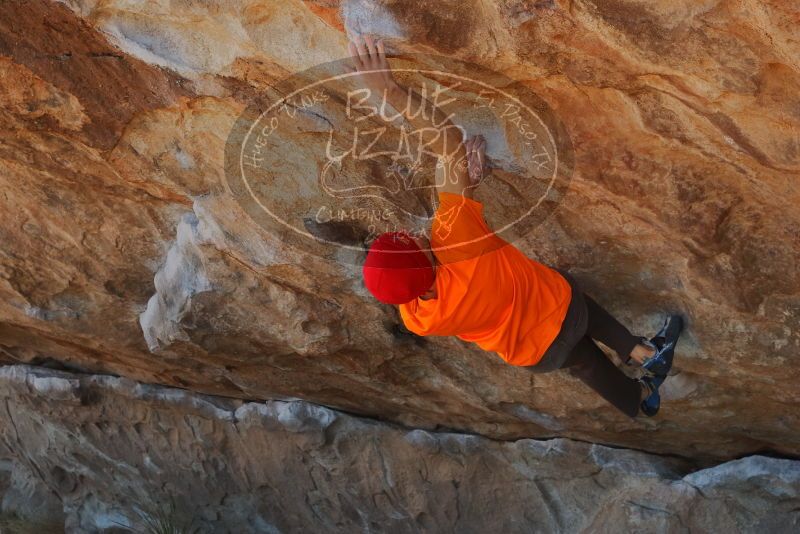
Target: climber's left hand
(369, 58)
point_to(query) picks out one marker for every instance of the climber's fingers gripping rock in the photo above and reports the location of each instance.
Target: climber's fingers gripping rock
(476, 159)
(369, 59)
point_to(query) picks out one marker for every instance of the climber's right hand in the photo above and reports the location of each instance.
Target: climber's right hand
(475, 147)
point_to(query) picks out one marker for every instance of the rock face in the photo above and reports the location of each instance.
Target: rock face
(114, 447)
(123, 252)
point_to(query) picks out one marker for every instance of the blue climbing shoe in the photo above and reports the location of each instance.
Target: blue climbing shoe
(659, 364)
(652, 402)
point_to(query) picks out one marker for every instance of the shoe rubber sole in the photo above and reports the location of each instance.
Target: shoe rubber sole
(650, 405)
(665, 341)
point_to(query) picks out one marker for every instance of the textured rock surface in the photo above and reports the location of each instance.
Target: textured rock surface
(105, 447)
(122, 253)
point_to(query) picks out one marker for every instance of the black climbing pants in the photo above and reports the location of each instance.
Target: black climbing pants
(575, 350)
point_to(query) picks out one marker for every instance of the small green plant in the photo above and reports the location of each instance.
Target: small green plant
(12, 524)
(162, 520)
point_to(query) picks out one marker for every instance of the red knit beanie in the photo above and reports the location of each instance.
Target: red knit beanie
(396, 270)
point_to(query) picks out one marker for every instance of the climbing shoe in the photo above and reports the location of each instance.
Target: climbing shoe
(659, 364)
(652, 401)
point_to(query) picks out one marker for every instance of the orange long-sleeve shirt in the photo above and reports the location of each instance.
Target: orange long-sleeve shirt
(488, 292)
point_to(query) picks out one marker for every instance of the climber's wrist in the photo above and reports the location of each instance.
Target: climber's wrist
(396, 93)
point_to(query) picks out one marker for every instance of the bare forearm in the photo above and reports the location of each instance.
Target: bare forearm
(440, 134)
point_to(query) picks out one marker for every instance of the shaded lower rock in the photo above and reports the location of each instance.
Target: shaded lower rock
(102, 452)
(124, 250)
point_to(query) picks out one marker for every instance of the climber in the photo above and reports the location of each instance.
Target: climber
(467, 282)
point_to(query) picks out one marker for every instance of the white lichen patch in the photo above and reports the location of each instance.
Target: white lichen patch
(180, 278)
